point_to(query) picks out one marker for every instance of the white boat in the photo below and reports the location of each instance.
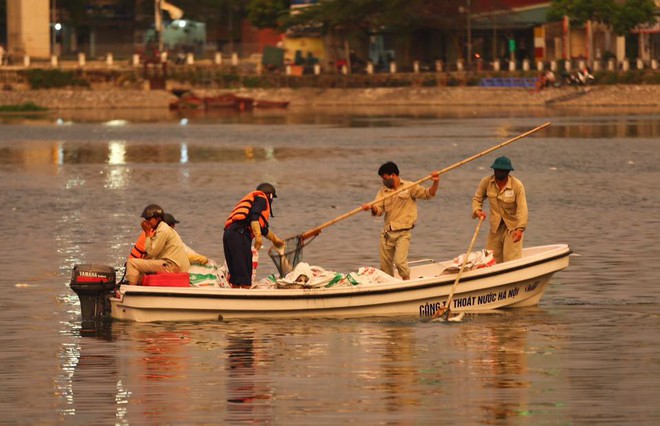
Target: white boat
(515, 284)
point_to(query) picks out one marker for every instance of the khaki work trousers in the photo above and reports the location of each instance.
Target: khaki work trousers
(136, 268)
(501, 242)
(394, 247)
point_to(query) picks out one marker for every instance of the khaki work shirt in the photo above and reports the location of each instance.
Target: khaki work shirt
(400, 209)
(166, 244)
(508, 205)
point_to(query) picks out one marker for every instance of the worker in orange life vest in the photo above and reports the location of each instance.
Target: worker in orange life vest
(248, 221)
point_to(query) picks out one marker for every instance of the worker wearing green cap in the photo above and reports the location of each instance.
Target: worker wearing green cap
(508, 210)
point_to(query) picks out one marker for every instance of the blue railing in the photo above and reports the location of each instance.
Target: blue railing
(507, 82)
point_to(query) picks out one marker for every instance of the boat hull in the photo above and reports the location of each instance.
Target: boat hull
(516, 284)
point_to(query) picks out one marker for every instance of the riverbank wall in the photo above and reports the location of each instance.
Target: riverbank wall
(114, 98)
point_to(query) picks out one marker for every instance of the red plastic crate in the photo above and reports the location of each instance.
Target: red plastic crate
(167, 279)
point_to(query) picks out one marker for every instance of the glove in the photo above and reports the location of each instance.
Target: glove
(277, 242)
(258, 241)
(256, 231)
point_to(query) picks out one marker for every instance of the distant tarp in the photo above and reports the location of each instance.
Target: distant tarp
(272, 57)
(309, 47)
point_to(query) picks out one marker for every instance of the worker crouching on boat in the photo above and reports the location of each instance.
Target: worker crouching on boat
(248, 221)
(508, 210)
(400, 212)
(165, 252)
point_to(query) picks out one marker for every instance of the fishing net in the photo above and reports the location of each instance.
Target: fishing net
(290, 255)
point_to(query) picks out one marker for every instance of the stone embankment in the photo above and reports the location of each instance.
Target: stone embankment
(595, 96)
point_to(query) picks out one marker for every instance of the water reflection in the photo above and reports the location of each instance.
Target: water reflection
(502, 351)
(488, 369)
(399, 371)
(619, 127)
(245, 390)
(121, 152)
(344, 116)
(90, 382)
(502, 360)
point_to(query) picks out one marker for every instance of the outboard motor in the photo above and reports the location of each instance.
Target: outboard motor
(94, 284)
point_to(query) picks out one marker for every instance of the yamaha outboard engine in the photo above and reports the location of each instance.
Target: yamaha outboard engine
(94, 284)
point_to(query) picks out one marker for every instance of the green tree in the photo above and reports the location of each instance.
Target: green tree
(580, 11)
(355, 20)
(267, 13)
(633, 13)
(622, 16)
(368, 15)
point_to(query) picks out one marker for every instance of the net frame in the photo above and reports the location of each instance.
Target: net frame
(291, 255)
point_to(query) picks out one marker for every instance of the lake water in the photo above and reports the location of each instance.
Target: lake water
(72, 188)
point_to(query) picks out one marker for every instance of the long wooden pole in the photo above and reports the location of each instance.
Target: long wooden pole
(445, 312)
(317, 230)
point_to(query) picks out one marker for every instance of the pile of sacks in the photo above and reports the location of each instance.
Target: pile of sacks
(303, 276)
(477, 259)
(307, 276)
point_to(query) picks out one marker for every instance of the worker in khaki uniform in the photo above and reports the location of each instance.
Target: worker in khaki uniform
(400, 216)
(165, 250)
(193, 256)
(508, 210)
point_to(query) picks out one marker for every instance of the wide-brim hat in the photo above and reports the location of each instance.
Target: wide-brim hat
(502, 163)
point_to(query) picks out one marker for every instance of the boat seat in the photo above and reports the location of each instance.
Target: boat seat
(167, 279)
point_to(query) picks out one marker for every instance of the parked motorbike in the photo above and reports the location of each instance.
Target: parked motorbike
(579, 78)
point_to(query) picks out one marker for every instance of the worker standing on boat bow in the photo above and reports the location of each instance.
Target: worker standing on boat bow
(248, 221)
(508, 210)
(400, 216)
(165, 252)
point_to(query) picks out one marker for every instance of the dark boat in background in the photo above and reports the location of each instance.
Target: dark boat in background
(188, 100)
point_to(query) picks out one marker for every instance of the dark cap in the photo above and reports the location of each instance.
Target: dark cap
(267, 188)
(169, 219)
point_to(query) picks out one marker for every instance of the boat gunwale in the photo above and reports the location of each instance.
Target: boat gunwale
(344, 292)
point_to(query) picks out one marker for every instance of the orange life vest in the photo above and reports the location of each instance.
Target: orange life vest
(139, 250)
(242, 210)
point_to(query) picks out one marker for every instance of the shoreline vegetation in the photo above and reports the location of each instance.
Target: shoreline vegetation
(24, 107)
(62, 89)
(604, 96)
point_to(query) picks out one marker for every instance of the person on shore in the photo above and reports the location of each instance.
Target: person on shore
(193, 256)
(400, 212)
(508, 210)
(248, 221)
(541, 82)
(584, 76)
(165, 252)
(550, 79)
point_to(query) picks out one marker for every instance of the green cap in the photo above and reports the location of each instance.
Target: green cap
(502, 163)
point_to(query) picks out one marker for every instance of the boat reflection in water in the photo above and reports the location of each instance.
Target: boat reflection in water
(247, 393)
(90, 383)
